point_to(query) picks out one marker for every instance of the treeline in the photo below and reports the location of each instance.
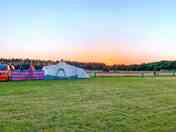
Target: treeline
(155, 66)
(15, 61)
(89, 66)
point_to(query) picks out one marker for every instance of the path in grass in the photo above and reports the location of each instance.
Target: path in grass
(126, 104)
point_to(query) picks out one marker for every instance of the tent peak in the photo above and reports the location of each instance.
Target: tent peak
(62, 60)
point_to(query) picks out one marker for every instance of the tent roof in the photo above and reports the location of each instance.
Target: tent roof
(69, 70)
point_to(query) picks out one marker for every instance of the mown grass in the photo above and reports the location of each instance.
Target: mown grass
(122, 104)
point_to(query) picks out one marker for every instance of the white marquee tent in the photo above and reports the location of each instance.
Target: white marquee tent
(64, 71)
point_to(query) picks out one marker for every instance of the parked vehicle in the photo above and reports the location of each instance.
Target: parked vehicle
(4, 72)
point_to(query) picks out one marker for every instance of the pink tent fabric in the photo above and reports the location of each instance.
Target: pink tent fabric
(19, 75)
(27, 75)
(38, 75)
(30, 74)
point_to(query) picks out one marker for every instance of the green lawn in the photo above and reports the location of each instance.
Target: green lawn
(122, 104)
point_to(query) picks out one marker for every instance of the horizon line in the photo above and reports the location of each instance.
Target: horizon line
(54, 60)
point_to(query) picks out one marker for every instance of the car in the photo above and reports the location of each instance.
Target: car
(4, 72)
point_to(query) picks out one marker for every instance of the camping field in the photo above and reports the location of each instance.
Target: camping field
(103, 104)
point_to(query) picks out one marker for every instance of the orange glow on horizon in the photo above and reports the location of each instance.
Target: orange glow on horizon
(109, 60)
(99, 51)
(103, 55)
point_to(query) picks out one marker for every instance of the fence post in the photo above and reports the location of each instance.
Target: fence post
(154, 73)
(142, 74)
(95, 75)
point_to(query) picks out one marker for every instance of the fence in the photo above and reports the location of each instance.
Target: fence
(131, 73)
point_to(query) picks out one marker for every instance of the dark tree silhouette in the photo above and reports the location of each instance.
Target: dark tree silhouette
(154, 66)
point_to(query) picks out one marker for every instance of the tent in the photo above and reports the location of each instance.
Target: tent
(26, 72)
(4, 72)
(64, 71)
(37, 72)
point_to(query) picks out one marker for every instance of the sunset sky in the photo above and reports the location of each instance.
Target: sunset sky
(109, 31)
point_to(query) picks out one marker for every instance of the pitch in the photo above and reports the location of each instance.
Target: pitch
(103, 104)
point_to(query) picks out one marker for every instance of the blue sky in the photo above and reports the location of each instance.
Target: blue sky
(110, 31)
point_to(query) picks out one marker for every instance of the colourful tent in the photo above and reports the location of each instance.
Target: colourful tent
(26, 72)
(37, 72)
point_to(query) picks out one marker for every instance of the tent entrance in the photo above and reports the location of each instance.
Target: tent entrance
(61, 73)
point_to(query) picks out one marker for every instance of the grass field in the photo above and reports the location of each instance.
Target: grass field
(121, 104)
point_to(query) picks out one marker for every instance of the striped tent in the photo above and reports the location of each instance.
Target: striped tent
(26, 72)
(37, 73)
